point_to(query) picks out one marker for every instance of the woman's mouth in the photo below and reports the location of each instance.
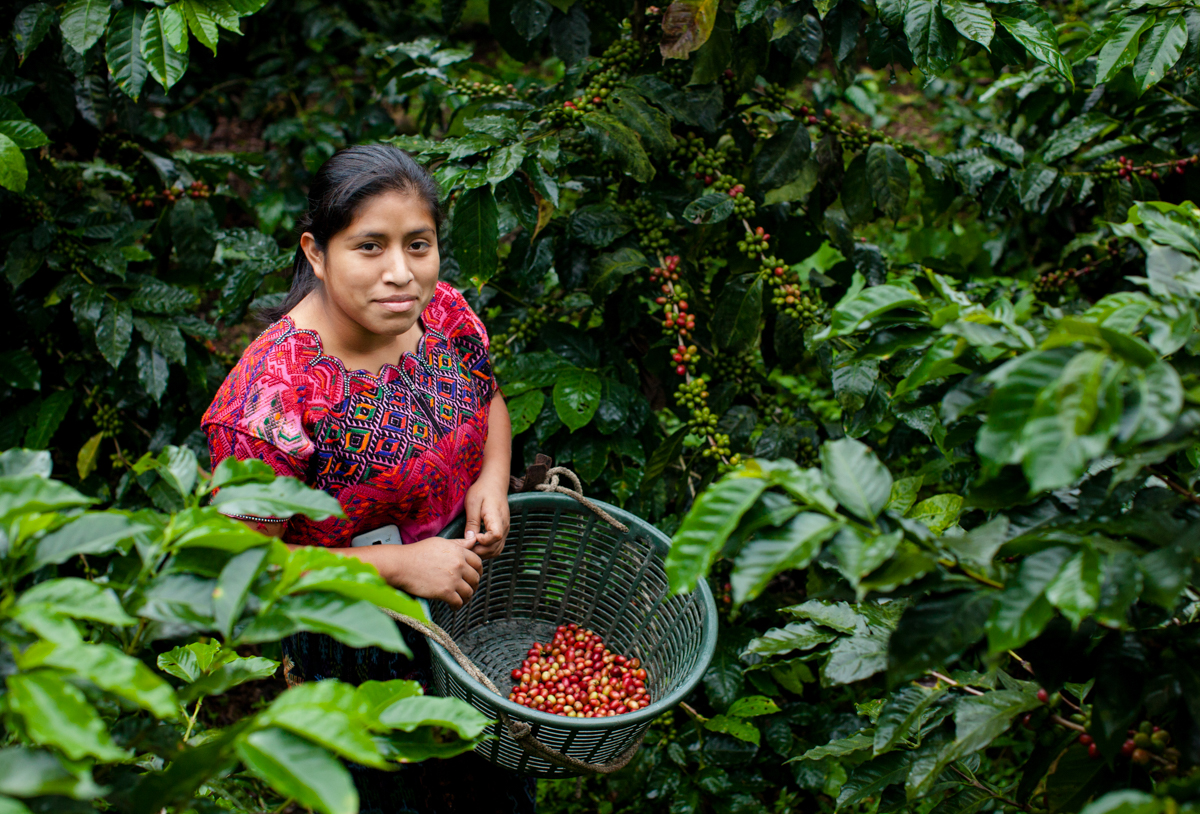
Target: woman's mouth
(398, 304)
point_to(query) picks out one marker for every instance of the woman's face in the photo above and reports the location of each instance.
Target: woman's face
(381, 270)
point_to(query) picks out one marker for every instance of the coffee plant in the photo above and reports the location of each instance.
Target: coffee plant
(120, 625)
(885, 309)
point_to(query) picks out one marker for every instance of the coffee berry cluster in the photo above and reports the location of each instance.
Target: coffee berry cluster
(576, 675)
(616, 61)
(652, 228)
(743, 204)
(754, 243)
(1052, 283)
(693, 397)
(676, 319)
(520, 331)
(1125, 167)
(481, 90)
(148, 196)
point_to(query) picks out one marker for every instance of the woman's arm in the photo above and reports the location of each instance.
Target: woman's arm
(487, 499)
(433, 568)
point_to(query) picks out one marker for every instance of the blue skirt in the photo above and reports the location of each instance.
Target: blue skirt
(465, 783)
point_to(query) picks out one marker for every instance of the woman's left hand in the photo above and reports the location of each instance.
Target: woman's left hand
(487, 503)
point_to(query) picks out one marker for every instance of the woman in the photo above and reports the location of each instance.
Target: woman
(374, 384)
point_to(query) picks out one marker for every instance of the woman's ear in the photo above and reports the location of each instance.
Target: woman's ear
(316, 257)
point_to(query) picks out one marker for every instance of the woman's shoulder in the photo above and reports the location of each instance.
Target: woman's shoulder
(450, 314)
(278, 360)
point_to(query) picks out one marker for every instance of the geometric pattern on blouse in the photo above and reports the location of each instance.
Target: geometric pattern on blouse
(402, 446)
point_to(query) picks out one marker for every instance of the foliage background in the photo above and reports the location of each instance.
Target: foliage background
(926, 419)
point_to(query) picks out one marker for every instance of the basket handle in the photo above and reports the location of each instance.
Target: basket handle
(552, 485)
(520, 731)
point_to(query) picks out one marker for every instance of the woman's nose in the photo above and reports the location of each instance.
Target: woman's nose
(396, 270)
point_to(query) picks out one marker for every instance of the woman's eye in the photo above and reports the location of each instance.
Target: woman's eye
(419, 246)
(369, 246)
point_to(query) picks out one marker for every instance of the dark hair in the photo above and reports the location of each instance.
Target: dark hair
(347, 180)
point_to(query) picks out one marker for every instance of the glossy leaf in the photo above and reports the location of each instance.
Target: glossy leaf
(123, 50)
(1159, 52)
(299, 770)
(576, 397)
(775, 550)
(973, 20)
(83, 22)
(57, 714)
(1033, 28)
(473, 228)
(707, 526)
(861, 484)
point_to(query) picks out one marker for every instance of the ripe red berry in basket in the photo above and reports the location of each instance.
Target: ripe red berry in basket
(576, 675)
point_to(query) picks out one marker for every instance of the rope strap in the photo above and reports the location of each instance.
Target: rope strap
(520, 731)
(577, 493)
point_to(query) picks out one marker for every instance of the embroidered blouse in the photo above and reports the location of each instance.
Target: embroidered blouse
(401, 447)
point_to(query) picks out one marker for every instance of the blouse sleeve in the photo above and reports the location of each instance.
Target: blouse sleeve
(467, 333)
(258, 417)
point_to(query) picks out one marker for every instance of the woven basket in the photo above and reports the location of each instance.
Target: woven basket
(562, 563)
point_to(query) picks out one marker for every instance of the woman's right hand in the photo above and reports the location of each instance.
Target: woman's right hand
(433, 568)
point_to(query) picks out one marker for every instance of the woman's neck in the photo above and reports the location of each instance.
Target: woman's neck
(358, 348)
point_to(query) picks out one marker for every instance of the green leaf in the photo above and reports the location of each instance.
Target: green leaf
(280, 498)
(233, 586)
(13, 172)
(153, 372)
(83, 22)
(774, 550)
(114, 331)
(1022, 610)
(902, 712)
(26, 772)
(231, 673)
(576, 397)
(27, 494)
(524, 410)
(782, 156)
(504, 162)
(753, 706)
(794, 636)
(55, 713)
(413, 712)
(24, 134)
(930, 37)
(686, 25)
(357, 624)
(861, 484)
(607, 270)
(109, 669)
(738, 313)
(887, 173)
(19, 463)
(50, 415)
(77, 598)
(123, 50)
(615, 141)
(712, 208)
(980, 719)
(91, 533)
(163, 61)
(1076, 589)
(939, 512)
(20, 370)
(738, 728)
(474, 230)
(30, 27)
(324, 712)
(1075, 134)
(652, 125)
(857, 309)
(1034, 29)
(322, 570)
(856, 192)
(859, 742)
(932, 634)
(1122, 45)
(201, 22)
(840, 616)
(300, 770)
(973, 20)
(190, 662)
(707, 527)
(1159, 53)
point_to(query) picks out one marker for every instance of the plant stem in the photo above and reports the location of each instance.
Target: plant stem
(192, 721)
(1061, 721)
(282, 806)
(975, 782)
(954, 683)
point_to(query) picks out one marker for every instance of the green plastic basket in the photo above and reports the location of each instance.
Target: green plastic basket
(562, 563)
